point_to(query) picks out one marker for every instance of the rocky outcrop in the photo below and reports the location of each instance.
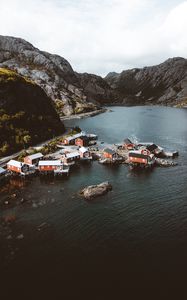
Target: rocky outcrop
(27, 114)
(94, 191)
(164, 84)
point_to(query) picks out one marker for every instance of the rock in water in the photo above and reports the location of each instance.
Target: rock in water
(93, 191)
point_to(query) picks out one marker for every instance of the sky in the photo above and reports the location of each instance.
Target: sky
(100, 36)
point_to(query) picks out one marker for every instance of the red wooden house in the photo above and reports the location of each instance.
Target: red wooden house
(141, 157)
(49, 165)
(71, 158)
(52, 166)
(82, 141)
(138, 157)
(17, 167)
(70, 140)
(85, 154)
(109, 153)
(33, 159)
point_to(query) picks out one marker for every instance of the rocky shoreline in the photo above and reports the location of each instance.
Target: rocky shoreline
(84, 115)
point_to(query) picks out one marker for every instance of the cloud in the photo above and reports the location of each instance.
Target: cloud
(100, 37)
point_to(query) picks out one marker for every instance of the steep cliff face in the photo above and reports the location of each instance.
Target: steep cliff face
(27, 115)
(97, 89)
(164, 84)
(51, 72)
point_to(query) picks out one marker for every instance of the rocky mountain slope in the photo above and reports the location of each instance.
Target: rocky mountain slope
(27, 115)
(70, 91)
(164, 84)
(73, 93)
(96, 88)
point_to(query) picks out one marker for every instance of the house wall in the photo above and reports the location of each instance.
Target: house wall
(79, 142)
(14, 169)
(27, 160)
(47, 168)
(107, 155)
(128, 146)
(138, 160)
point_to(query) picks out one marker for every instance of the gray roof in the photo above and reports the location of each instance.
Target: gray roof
(74, 137)
(73, 154)
(50, 163)
(152, 147)
(136, 154)
(109, 151)
(127, 141)
(35, 156)
(15, 163)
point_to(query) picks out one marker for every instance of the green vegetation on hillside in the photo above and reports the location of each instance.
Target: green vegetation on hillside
(27, 115)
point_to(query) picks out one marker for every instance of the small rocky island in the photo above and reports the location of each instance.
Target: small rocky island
(94, 191)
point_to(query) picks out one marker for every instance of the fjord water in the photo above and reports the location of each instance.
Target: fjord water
(134, 235)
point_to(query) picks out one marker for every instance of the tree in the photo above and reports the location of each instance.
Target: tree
(27, 139)
(4, 149)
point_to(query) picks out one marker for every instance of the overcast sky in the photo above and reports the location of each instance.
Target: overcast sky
(99, 36)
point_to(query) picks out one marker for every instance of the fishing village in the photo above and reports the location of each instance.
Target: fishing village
(80, 147)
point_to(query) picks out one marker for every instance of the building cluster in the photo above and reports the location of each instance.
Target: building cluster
(135, 154)
(66, 158)
(144, 154)
(80, 139)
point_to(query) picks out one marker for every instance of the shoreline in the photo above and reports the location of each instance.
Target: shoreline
(84, 115)
(4, 160)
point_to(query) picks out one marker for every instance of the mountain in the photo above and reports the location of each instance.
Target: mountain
(73, 93)
(164, 84)
(96, 88)
(70, 91)
(27, 115)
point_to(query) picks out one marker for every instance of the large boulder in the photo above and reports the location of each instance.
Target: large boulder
(93, 191)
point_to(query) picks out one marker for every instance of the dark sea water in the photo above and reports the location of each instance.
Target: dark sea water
(133, 237)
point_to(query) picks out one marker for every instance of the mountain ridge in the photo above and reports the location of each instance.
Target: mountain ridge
(74, 93)
(164, 84)
(52, 72)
